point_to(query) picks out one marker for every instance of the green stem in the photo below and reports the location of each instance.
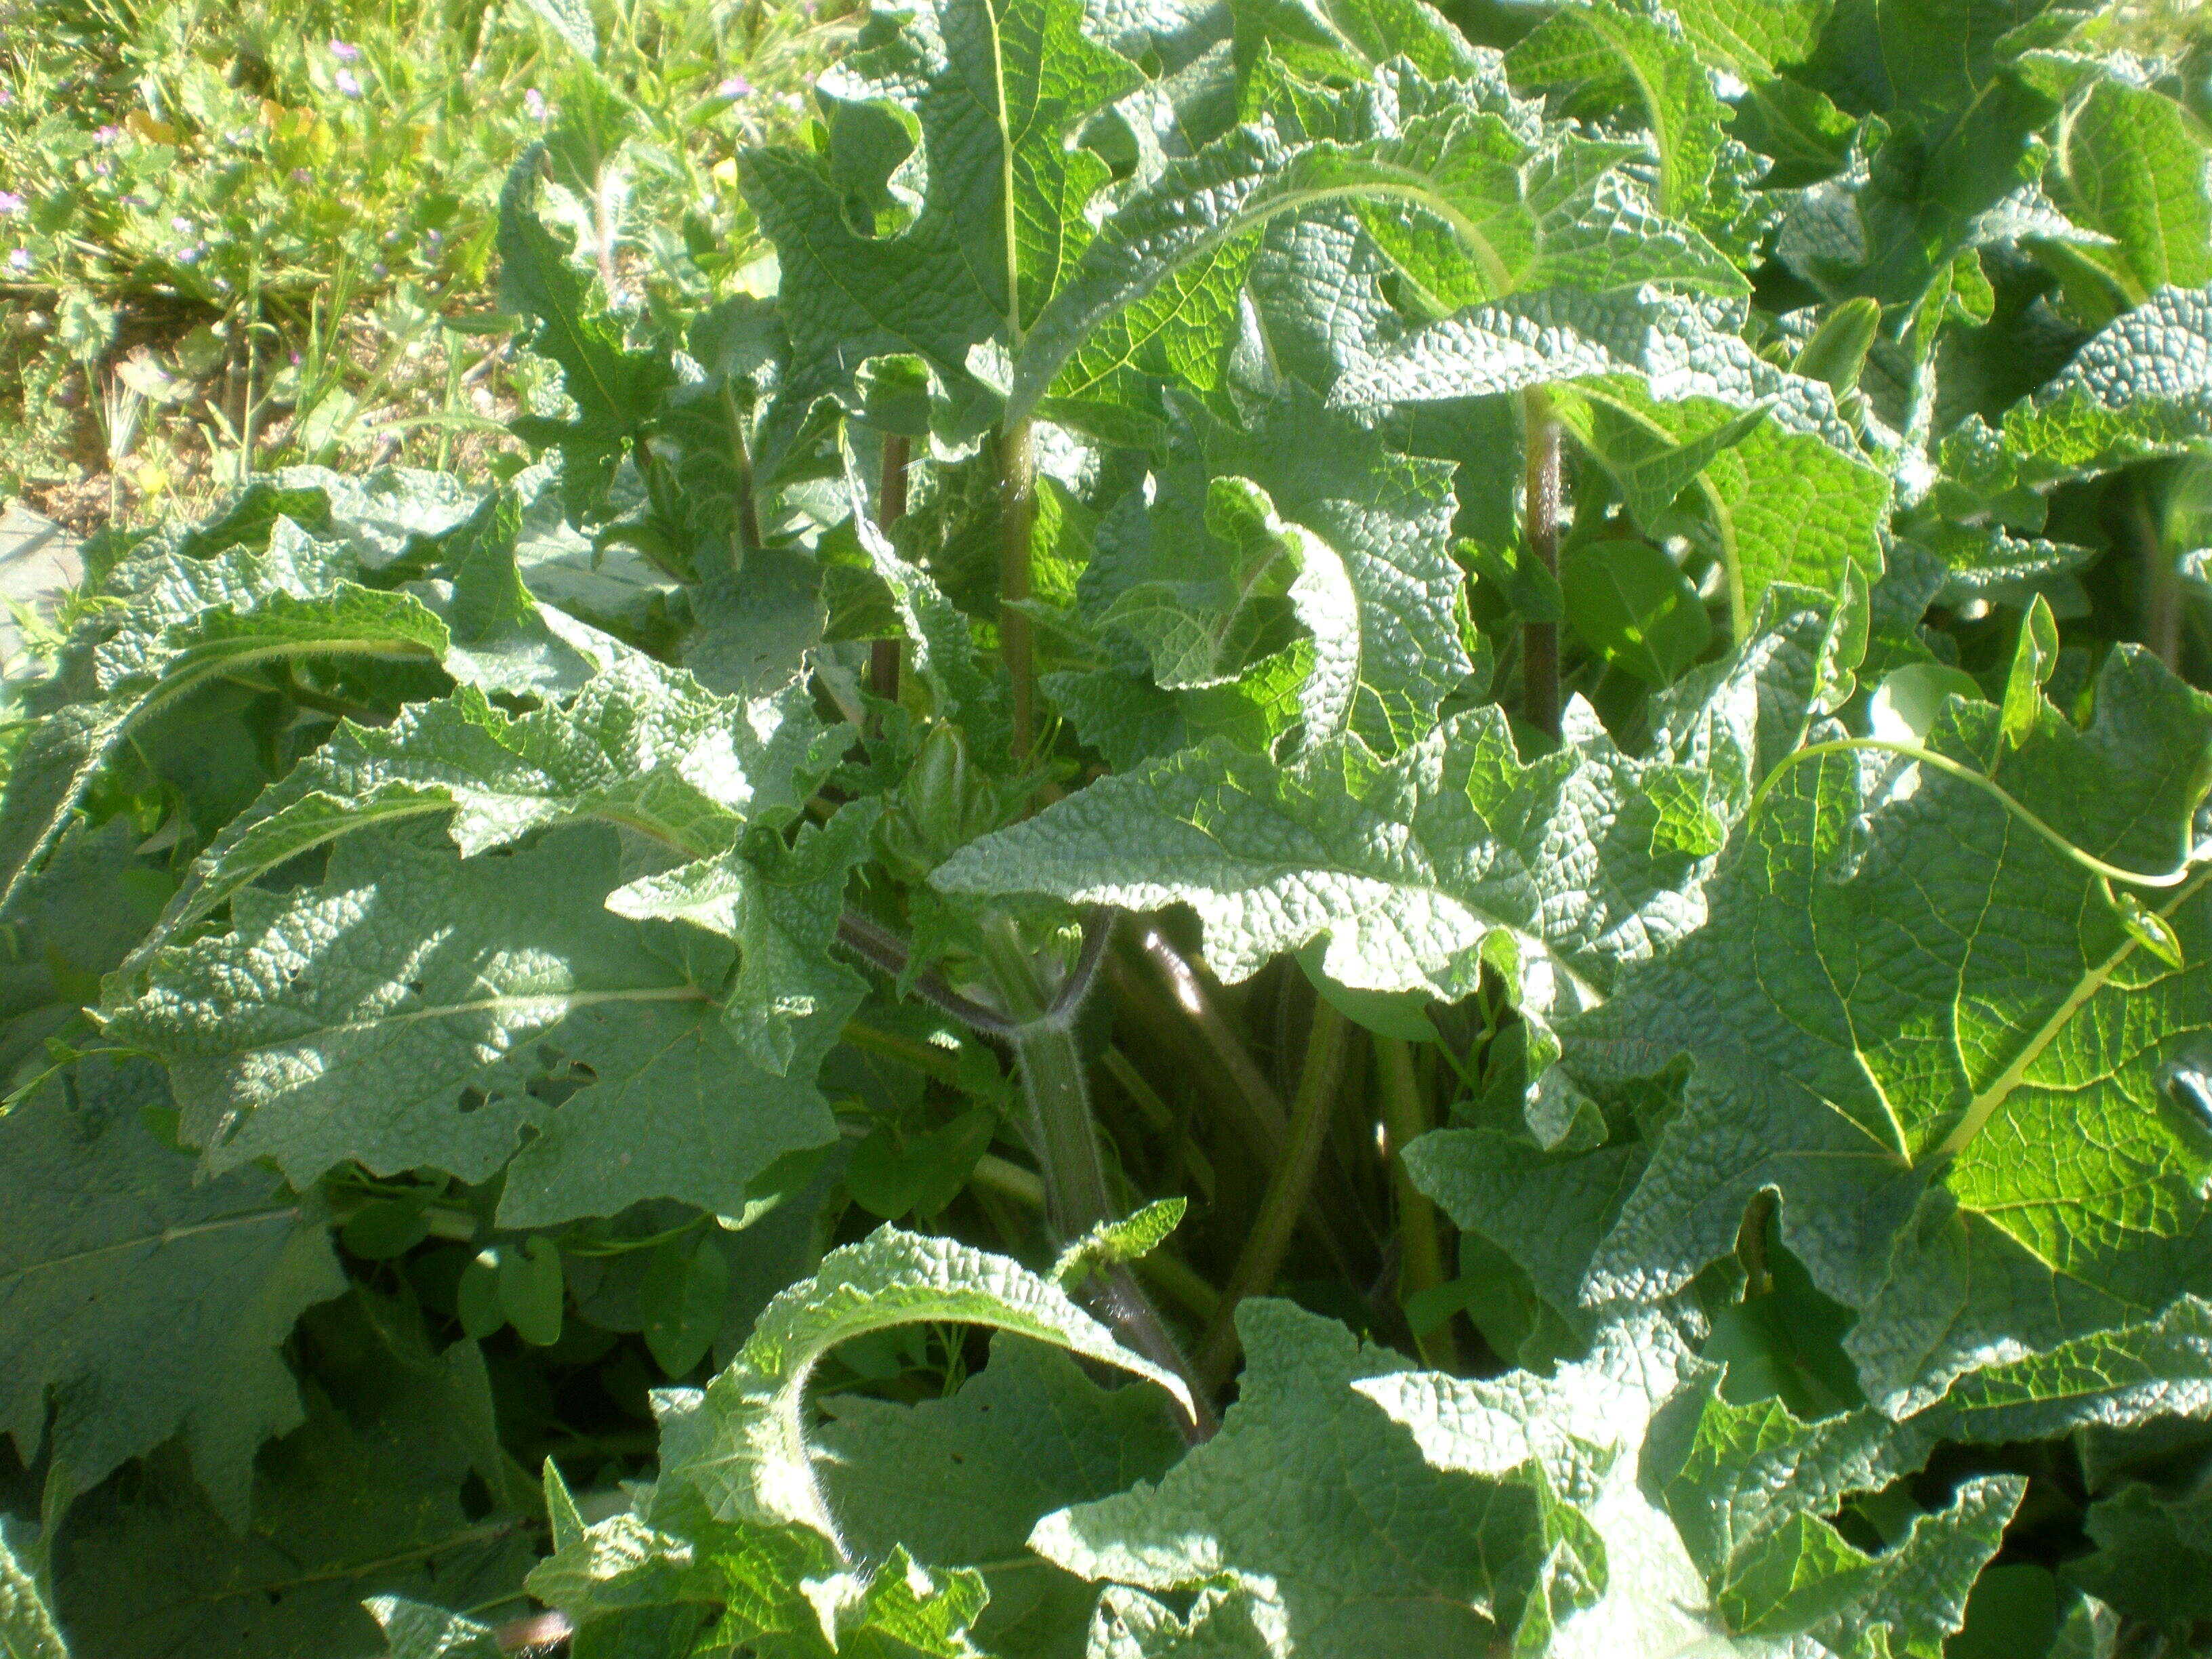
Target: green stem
(1261, 1257)
(1018, 512)
(1009, 1179)
(1077, 1195)
(1236, 1087)
(1420, 1256)
(921, 1056)
(1990, 786)
(1539, 641)
(748, 535)
(890, 507)
(2161, 581)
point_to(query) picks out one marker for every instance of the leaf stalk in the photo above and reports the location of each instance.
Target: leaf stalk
(891, 507)
(1420, 1256)
(1539, 641)
(1285, 1196)
(1016, 523)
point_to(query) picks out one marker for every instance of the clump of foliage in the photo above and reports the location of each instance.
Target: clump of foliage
(237, 236)
(1371, 842)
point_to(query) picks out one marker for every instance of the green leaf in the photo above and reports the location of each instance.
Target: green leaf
(626, 1585)
(27, 1627)
(2013, 1609)
(1136, 1235)
(1220, 1625)
(476, 1299)
(531, 1292)
(1934, 1128)
(1761, 42)
(188, 622)
(1660, 398)
(1907, 704)
(364, 1498)
(642, 746)
(1299, 507)
(1633, 606)
(686, 1284)
(2154, 1557)
(741, 1445)
(2141, 388)
(501, 641)
(1400, 1014)
(572, 20)
(1368, 1548)
(144, 1304)
(1746, 1489)
(891, 1176)
(943, 649)
(961, 1482)
(617, 389)
(1597, 56)
(990, 98)
(780, 907)
(1320, 38)
(1742, 1556)
(1422, 870)
(2131, 163)
(1466, 209)
(2033, 658)
(414, 1631)
(502, 972)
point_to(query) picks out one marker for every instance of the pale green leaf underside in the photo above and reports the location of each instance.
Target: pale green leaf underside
(741, 1445)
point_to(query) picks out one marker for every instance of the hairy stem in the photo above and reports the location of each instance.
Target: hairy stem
(890, 507)
(1017, 514)
(1076, 1197)
(1539, 641)
(741, 457)
(921, 1056)
(882, 950)
(1247, 1099)
(2161, 598)
(1261, 1257)
(1420, 1257)
(1065, 1136)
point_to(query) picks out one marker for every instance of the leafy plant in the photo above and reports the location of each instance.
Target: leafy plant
(1464, 772)
(235, 238)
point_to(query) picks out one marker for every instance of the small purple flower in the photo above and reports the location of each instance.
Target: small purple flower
(379, 270)
(348, 82)
(106, 135)
(182, 226)
(295, 360)
(435, 238)
(736, 87)
(189, 256)
(534, 102)
(20, 260)
(103, 166)
(301, 176)
(9, 203)
(345, 52)
(6, 97)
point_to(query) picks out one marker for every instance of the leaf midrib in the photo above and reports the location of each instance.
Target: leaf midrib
(1984, 1106)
